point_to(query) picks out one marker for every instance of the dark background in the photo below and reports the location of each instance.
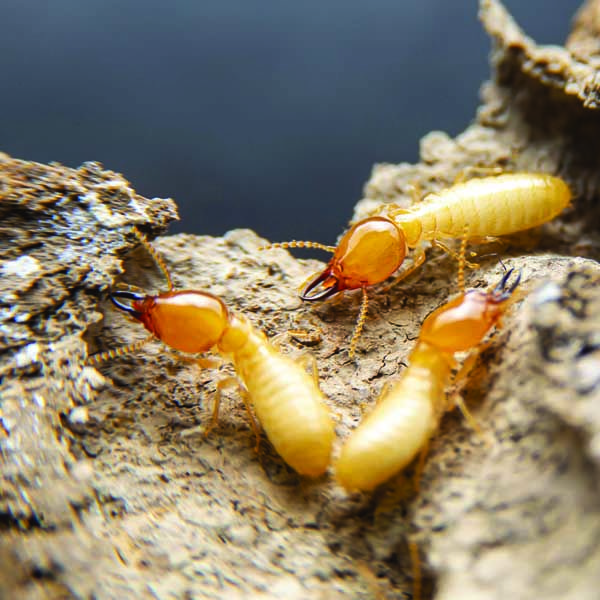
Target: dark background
(266, 114)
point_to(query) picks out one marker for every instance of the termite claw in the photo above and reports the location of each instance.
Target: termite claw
(513, 287)
(500, 290)
(117, 296)
(328, 284)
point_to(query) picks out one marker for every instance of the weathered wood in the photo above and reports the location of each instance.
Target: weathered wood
(61, 233)
(111, 490)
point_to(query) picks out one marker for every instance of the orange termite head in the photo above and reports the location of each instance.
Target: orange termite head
(367, 254)
(186, 320)
(462, 323)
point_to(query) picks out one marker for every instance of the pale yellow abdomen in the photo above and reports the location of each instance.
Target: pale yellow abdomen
(289, 406)
(490, 206)
(393, 433)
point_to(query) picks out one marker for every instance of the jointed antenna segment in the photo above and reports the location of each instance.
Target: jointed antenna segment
(360, 322)
(101, 357)
(298, 244)
(160, 263)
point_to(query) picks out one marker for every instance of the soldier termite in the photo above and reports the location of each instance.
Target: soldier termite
(374, 248)
(286, 400)
(408, 412)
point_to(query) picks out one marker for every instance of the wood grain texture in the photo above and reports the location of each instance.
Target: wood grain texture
(108, 488)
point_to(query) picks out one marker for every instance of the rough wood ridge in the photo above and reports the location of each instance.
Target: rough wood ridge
(108, 488)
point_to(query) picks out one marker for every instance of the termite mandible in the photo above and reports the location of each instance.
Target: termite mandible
(408, 412)
(286, 400)
(374, 248)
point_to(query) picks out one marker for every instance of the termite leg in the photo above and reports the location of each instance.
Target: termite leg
(416, 568)
(421, 465)
(367, 574)
(387, 386)
(253, 423)
(393, 210)
(305, 336)
(462, 260)
(454, 254)
(490, 239)
(469, 362)
(461, 263)
(526, 240)
(389, 208)
(418, 259)
(308, 360)
(457, 400)
(277, 341)
(415, 190)
(477, 171)
(221, 385)
(206, 363)
(360, 322)
(463, 373)
(363, 406)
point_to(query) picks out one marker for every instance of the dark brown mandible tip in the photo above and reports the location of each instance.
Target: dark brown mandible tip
(116, 297)
(328, 283)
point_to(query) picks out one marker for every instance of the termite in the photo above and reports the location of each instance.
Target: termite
(408, 413)
(481, 209)
(286, 400)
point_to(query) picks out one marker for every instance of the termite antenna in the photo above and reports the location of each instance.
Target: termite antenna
(362, 317)
(101, 357)
(160, 263)
(297, 244)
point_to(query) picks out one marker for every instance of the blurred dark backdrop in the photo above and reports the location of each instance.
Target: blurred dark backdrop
(265, 114)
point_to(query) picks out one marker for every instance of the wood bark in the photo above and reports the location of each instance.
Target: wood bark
(108, 488)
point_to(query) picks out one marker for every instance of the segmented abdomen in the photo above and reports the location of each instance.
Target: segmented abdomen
(492, 206)
(391, 436)
(289, 406)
